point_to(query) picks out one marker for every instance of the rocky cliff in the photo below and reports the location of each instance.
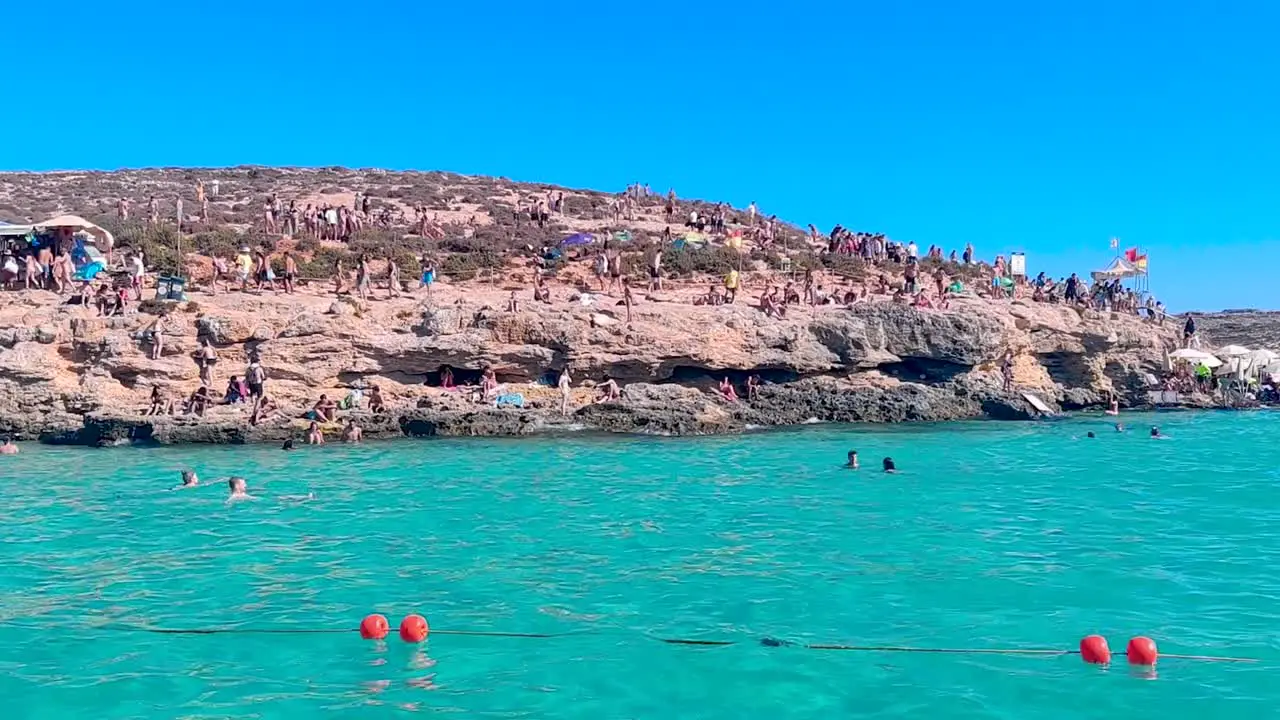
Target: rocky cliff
(68, 376)
(1250, 328)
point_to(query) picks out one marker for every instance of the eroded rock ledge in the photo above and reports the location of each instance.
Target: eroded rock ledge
(66, 376)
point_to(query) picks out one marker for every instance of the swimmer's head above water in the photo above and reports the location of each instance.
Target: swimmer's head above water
(1091, 434)
(288, 444)
(1155, 431)
(237, 486)
(189, 478)
(853, 460)
(889, 466)
(1119, 427)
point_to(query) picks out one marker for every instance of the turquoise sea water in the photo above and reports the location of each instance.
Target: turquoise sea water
(994, 535)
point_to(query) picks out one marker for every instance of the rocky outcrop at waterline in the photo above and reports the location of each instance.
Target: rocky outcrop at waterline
(67, 376)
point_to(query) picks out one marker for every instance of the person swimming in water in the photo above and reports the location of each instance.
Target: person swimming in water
(288, 444)
(1155, 433)
(8, 448)
(239, 489)
(189, 479)
(889, 467)
(1119, 427)
(853, 460)
(1091, 434)
(352, 432)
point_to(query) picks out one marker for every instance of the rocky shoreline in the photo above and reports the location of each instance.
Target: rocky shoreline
(68, 378)
(664, 410)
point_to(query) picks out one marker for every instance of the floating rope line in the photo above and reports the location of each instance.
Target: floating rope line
(764, 642)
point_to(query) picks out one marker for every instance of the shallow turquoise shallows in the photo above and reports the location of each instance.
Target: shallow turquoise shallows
(992, 536)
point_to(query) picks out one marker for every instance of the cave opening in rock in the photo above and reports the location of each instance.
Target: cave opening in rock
(461, 376)
(1069, 369)
(699, 376)
(923, 370)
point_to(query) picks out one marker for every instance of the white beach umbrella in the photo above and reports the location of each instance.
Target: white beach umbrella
(1190, 354)
(1262, 357)
(1233, 366)
(1231, 351)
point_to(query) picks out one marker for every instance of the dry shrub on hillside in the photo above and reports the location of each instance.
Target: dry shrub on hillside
(688, 261)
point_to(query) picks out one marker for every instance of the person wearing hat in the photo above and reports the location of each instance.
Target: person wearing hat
(244, 266)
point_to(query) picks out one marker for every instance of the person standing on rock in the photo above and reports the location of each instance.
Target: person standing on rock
(566, 386)
(338, 273)
(1006, 370)
(393, 278)
(137, 268)
(655, 271)
(32, 274)
(206, 359)
(255, 376)
(428, 274)
(362, 277)
(45, 257)
(290, 272)
(157, 341)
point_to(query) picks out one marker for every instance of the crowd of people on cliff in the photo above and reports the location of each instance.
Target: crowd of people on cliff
(897, 272)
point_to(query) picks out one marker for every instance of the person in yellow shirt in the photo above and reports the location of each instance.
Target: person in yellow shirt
(731, 286)
(244, 266)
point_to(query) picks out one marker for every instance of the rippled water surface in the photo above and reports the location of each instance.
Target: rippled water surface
(994, 535)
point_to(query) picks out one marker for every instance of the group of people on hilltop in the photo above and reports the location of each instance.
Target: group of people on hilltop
(1107, 295)
(45, 263)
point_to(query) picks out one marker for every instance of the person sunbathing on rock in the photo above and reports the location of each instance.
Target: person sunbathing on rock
(609, 391)
(199, 402)
(377, 405)
(325, 410)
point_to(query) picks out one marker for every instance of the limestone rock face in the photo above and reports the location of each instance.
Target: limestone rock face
(67, 375)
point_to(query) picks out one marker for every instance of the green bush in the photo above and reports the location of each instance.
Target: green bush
(320, 265)
(222, 241)
(846, 265)
(713, 260)
(470, 265)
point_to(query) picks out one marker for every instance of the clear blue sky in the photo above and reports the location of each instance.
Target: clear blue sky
(1006, 124)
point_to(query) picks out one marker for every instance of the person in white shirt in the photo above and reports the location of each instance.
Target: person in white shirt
(912, 250)
(11, 270)
(136, 271)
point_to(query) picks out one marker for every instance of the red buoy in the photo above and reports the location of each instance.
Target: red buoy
(374, 627)
(413, 629)
(1142, 651)
(1094, 650)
